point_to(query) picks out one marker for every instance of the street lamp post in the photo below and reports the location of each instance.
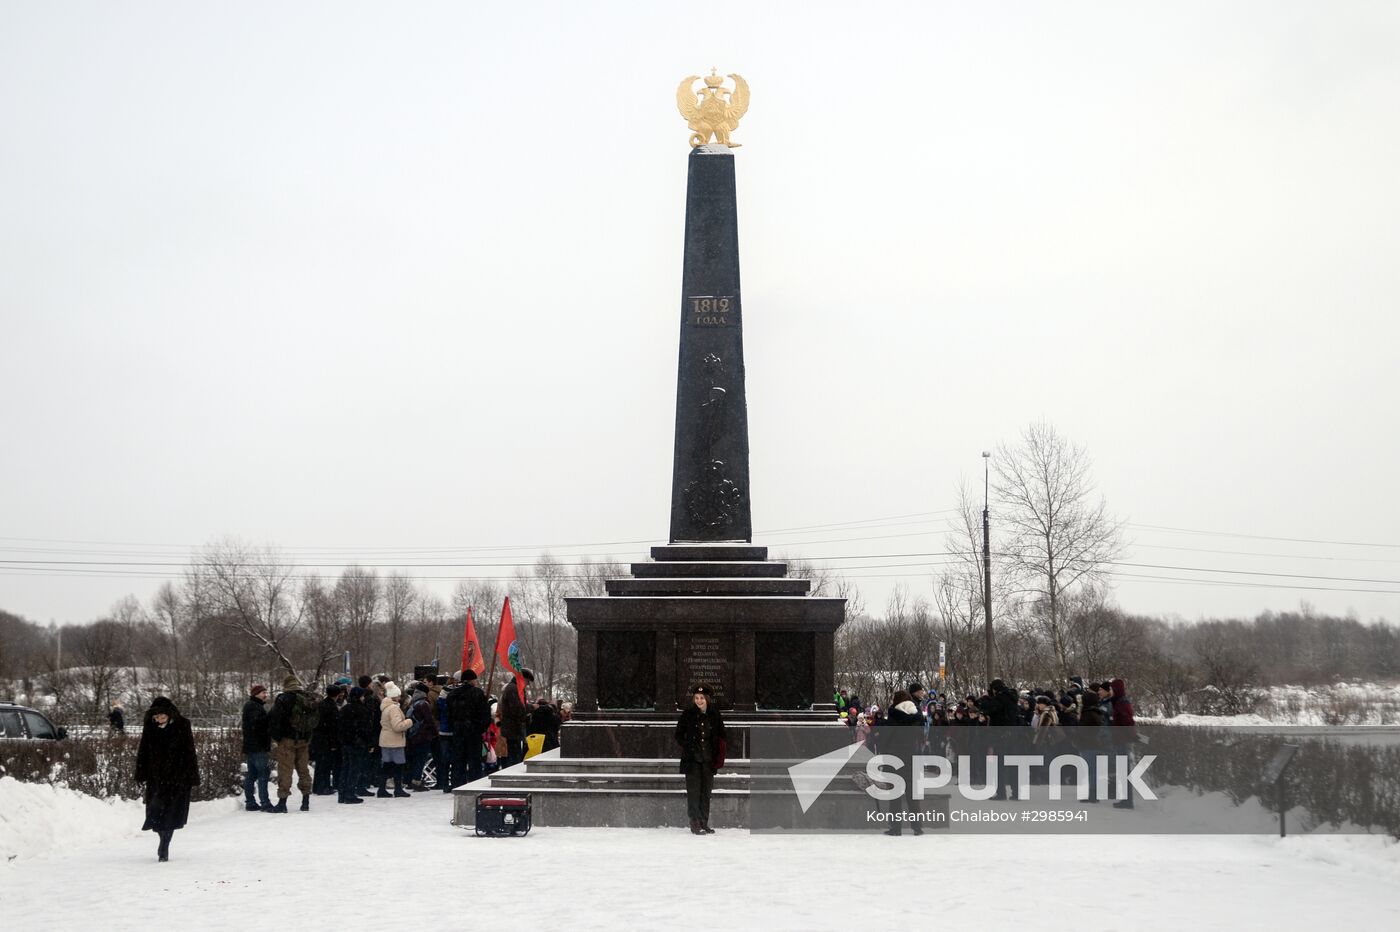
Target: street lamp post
(987, 560)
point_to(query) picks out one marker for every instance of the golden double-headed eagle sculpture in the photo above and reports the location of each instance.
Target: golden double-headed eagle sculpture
(713, 111)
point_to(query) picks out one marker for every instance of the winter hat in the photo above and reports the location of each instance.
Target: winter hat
(257, 689)
(702, 689)
(333, 690)
(357, 693)
(996, 684)
(391, 690)
(291, 684)
(468, 676)
(162, 705)
(528, 674)
(915, 687)
(343, 681)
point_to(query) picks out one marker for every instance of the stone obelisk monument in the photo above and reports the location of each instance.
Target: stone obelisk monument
(710, 478)
(708, 607)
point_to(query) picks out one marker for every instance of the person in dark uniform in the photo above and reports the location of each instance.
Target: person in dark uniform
(700, 733)
(166, 763)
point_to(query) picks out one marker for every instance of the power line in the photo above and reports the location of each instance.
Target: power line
(1295, 540)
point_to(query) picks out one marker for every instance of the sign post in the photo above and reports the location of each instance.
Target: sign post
(1273, 775)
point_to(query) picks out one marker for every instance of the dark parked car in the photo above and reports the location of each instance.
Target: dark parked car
(20, 721)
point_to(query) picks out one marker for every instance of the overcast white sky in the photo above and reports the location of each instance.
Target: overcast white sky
(349, 277)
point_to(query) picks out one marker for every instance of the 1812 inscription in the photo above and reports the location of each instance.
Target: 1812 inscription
(707, 310)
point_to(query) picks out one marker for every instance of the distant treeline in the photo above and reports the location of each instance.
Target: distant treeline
(242, 614)
(1212, 666)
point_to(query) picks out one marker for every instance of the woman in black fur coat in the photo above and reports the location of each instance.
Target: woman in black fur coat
(166, 763)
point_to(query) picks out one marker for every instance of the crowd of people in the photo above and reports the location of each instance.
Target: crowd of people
(372, 737)
(997, 705)
(362, 738)
(1093, 722)
(376, 738)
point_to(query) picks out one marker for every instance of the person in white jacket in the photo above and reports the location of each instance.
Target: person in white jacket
(393, 725)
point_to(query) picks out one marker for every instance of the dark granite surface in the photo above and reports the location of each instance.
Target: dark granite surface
(710, 473)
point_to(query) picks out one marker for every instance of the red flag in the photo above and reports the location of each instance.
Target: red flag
(471, 648)
(508, 649)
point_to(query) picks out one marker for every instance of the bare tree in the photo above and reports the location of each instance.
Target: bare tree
(130, 619)
(547, 588)
(251, 590)
(358, 593)
(1059, 533)
(591, 578)
(100, 655)
(167, 616)
(484, 597)
(400, 599)
(327, 624)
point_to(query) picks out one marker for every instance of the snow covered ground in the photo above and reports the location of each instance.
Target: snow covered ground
(73, 862)
(1314, 706)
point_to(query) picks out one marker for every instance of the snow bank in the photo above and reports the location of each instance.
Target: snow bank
(38, 818)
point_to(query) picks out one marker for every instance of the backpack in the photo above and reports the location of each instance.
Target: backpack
(305, 716)
(419, 716)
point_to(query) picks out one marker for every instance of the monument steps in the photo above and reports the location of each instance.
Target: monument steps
(695, 569)
(686, 553)
(541, 764)
(615, 782)
(616, 792)
(708, 586)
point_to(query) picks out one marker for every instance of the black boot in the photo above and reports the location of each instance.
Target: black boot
(281, 805)
(252, 807)
(163, 852)
(705, 827)
(695, 827)
(305, 803)
(399, 791)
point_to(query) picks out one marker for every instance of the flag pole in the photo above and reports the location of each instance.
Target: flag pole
(495, 650)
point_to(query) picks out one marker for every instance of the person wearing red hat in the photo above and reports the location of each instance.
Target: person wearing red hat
(257, 744)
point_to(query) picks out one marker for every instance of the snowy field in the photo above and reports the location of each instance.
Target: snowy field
(76, 862)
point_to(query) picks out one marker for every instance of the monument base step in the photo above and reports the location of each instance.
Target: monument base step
(652, 735)
(638, 793)
(737, 552)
